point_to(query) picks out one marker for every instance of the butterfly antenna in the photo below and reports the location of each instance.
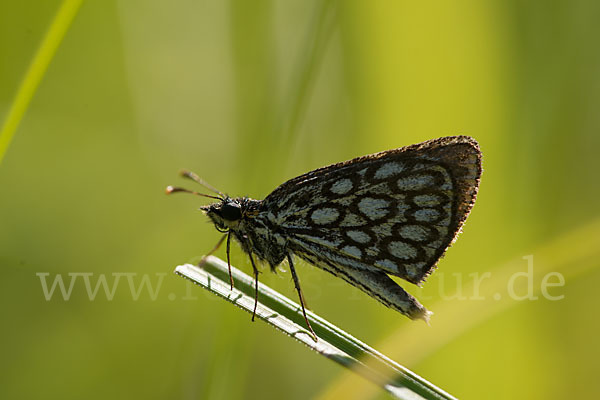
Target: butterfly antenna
(172, 189)
(197, 179)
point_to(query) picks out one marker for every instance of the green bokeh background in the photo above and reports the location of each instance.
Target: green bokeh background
(249, 94)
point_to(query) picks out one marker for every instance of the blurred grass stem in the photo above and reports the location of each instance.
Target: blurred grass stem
(36, 71)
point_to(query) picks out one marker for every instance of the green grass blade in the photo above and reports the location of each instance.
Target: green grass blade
(335, 344)
(37, 69)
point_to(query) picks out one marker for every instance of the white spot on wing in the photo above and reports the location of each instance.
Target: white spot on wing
(414, 232)
(352, 220)
(415, 182)
(374, 208)
(426, 214)
(359, 236)
(427, 200)
(325, 215)
(342, 186)
(388, 169)
(402, 250)
(353, 251)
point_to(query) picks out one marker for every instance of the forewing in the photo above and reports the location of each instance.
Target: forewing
(396, 211)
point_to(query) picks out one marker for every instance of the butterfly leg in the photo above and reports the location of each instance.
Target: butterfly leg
(219, 243)
(255, 285)
(300, 296)
(228, 261)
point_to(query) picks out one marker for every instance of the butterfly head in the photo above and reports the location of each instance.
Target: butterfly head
(225, 214)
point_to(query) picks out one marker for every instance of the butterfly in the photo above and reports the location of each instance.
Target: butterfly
(389, 213)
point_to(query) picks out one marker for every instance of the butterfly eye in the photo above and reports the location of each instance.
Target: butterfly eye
(231, 211)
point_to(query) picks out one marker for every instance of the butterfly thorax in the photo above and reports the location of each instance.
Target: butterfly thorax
(248, 221)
